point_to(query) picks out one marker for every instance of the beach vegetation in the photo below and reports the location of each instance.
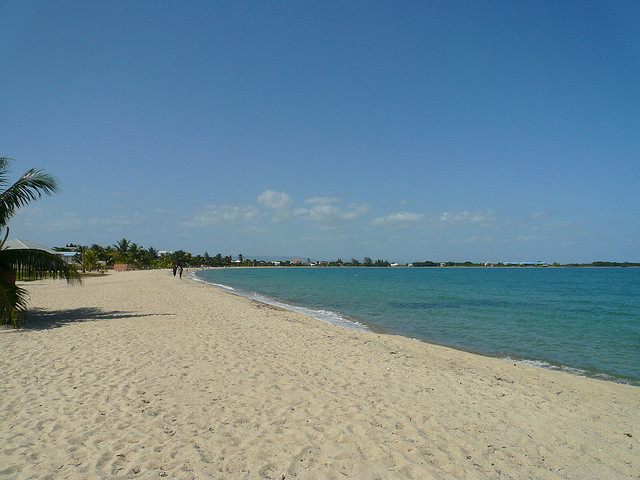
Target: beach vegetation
(91, 261)
(180, 258)
(24, 264)
(122, 251)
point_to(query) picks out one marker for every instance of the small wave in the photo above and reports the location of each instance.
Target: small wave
(571, 370)
(194, 277)
(327, 316)
(548, 366)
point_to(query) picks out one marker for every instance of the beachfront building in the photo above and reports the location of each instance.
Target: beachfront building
(19, 244)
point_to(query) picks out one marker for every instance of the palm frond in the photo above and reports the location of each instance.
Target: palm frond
(4, 240)
(31, 186)
(30, 264)
(13, 303)
(4, 164)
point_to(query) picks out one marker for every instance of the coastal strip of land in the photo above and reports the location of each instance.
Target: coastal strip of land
(145, 375)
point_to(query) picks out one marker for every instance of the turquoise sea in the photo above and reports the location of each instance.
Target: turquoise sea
(582, 320)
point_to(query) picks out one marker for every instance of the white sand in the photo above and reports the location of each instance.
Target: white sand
(143, 375)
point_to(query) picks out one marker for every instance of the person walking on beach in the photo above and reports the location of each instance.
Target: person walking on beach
(180, 270)
(175, 269)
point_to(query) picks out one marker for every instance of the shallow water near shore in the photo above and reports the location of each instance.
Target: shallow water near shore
(582, 320)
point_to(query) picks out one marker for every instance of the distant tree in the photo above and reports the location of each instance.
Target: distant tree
(153, 253)
(81, 251)
(355, 262)
(91, 260)
(427, 263)
(367, 262)
(122, 249)
(122, 246)
(179, 258)
(100, 252)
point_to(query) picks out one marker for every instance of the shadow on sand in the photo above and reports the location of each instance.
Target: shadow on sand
(42, 319)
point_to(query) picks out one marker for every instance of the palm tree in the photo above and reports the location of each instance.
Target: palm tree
(153, 253)
(179, 258)
(122, 250)
(28, 263)
(100, 252)
(82, 249)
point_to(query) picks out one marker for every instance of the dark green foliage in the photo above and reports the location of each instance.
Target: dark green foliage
(25, 264)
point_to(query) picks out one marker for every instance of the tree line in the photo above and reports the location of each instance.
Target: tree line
(98, 257)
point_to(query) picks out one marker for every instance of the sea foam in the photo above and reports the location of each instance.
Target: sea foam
(327, 316)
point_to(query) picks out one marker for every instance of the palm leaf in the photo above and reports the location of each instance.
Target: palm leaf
(31, 264)
(31, 186)
(4, 164)
(13, 303)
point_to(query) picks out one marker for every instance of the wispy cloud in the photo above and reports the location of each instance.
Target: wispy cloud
(214, 214)
(468, 218)
(323, 210)
(118, 220)
(321, 201)
(400, 220)
(416, 220)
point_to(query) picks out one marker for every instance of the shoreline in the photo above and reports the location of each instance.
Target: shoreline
(140, 374)
(340, 319)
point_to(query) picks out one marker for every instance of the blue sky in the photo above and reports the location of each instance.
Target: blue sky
(483, 131)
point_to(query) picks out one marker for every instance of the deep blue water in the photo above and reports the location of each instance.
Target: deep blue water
(582, 320)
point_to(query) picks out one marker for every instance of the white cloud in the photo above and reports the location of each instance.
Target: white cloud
(274, 200)
(214, 214)
(323, 210)
(399, 220)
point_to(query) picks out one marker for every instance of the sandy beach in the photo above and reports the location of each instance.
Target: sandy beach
(143, 375)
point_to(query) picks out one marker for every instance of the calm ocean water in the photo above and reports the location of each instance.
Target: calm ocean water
(582, 320)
